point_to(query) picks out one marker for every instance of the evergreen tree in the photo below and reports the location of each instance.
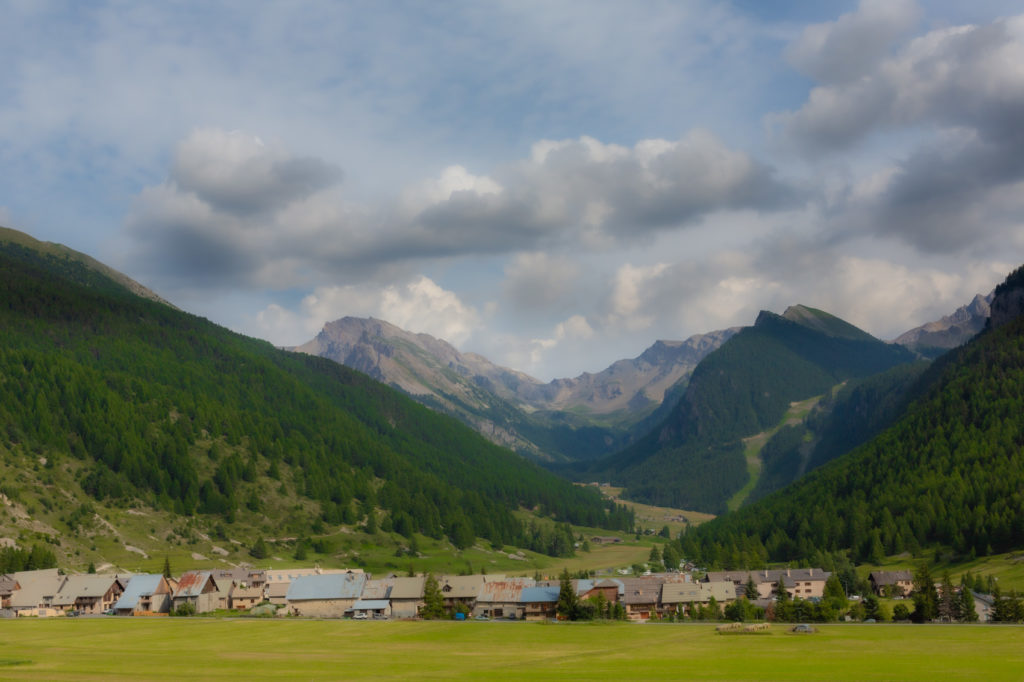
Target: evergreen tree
(750, 588)
(926, 596)
(567, 597)
(433, 600)
(949, 604)
(167, 567)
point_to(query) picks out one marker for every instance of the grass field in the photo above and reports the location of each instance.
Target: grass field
(110, 648)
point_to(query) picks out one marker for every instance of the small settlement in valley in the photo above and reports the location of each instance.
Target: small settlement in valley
(351, 593)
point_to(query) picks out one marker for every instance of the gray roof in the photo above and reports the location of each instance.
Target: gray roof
(371, 604)
(83, 586)
(890, 577)
(687, 593)
(138, 587)
(536, 595)
(408, 588)
(789, 576)
(36, 587)
(461, 586)
(330, 586)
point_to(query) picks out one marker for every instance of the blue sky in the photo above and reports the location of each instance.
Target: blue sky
(554, 185)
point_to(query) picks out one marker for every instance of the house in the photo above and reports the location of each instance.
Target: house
(144, 594)
(805, 583)
(7, 587)
(407, 597)
(278, 580)
(325, 596)
(198, 588)
(891, 583)
(641, 597)
(609, 588)
(91, 594)
(36, 592)
(680, 598)
(540, 602)
(244, 598)
(502, 599)
(462, 589)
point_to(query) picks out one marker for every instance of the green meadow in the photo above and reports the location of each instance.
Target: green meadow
(113, 648)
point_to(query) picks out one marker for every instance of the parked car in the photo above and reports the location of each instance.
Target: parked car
(360, 616)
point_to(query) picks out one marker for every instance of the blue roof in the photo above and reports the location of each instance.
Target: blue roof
(329, 586)
(534, 595)
(139, 586)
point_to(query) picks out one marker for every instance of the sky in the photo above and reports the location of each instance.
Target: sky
(554, 185)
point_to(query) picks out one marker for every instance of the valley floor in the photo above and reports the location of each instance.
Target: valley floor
(167, 648)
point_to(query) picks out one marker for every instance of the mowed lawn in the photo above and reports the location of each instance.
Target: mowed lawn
(195, 649)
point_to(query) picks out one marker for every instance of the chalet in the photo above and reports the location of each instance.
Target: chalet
(244, 598)
(198, 588)
(144, 594)
(680, 598)
(92, 594)
(540, 602)
(805, 583)
(640, 597)
(462, 589)
(611, 589)
(36, 592)
(406, 597)
(502, 599)
(278, 580)
(891, 583)
(7, 587)
(325, 596)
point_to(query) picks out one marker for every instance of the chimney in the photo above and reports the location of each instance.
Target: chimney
(810, 571)
(787, 572)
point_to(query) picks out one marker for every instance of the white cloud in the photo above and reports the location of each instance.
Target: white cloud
(419, 305)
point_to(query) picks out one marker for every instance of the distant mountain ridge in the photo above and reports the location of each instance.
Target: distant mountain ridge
(695, 458)
(950, 331)
(510, 407)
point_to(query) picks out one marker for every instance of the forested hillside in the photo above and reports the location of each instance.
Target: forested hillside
(695, 459)
(949, 472)
(167, 409)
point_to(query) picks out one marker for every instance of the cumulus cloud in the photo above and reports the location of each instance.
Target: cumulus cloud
(419, 305)
(959, 91)
(583, 187)
(240, 212)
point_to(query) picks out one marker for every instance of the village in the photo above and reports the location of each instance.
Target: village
(314, 592)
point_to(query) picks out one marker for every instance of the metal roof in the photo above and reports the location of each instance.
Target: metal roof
(371, 604)
(191, 584)
(138, 587)
(330, 586)
(503, 591)
(536, 595)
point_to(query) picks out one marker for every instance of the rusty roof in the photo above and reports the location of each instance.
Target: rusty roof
(504, 591)
(193, 583)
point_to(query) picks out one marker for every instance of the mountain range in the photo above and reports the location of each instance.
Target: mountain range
(565, 419)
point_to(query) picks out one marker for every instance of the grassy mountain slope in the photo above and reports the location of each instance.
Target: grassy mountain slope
(151, 406)
(695, 458)
(949, 471)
